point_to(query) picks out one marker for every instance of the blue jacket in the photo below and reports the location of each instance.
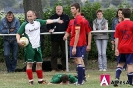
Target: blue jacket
(114, 23)
(5, 28)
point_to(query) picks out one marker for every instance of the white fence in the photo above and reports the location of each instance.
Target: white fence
(66, 42)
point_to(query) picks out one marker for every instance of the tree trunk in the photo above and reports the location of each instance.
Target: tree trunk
(34, 5)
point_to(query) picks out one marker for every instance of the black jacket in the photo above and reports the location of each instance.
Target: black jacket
(59, 27)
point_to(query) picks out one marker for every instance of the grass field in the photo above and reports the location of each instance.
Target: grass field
(19, 79)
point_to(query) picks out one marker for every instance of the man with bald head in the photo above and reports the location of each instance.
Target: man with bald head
(31, 30)
(57, 39)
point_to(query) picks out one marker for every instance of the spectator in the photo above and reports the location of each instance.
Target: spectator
(57, 39)
(100, 23)
(10, 25)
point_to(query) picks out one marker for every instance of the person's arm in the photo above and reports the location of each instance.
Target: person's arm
(3, 30)
(19, 33)
(94, 27)
(117, 40)
(77, 32)
(73, 79)
(66, 36)
(112, 34)
(106, 26)
(89, 42)
(17, 26)
(116, 46)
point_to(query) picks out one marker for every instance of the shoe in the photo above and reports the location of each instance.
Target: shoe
(42, 82)
(104, 70)
(129, 85)
(76, 83)
(31, 82)
(116, 82)
(100, 69)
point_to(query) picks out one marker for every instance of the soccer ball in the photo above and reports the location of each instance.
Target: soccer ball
(24, 40)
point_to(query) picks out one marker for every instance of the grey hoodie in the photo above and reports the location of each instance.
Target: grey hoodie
(101, 24)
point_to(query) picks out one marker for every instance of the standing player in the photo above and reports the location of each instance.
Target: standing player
(77, 31)
(33, 54)
(123, 43)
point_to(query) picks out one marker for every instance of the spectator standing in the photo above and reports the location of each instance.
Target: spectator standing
(10, 25)
(100, 23)
(57, 39)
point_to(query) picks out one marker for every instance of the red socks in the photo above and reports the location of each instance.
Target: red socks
(29, 74)
(39, 74)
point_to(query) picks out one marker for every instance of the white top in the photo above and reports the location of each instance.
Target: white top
(33, 32)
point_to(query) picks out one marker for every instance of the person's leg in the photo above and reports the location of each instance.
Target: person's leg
(7, 55)
(55, 49)
(121, 61)
(99, 45)
(79, 70)
(14, 49)
(29, 58)
(39, 60)
(78, 61)
(104, 58)
(129, 61)
(63, 58)
(86, 59)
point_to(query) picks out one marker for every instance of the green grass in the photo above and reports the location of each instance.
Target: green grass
(19, 79)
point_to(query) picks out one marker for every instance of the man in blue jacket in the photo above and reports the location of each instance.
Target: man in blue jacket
(10, 25)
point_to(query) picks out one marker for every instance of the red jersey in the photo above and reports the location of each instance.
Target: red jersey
(124, 31)
(87, 26)
(79, 20)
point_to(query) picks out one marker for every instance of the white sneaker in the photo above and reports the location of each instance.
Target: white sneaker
(100, 69)
(104, 70)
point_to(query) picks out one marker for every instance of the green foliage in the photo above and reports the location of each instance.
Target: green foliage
(90, 14)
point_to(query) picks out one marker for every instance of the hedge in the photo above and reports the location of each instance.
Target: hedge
(90, 14)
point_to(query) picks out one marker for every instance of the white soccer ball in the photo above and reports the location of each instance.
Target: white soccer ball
(24, 40)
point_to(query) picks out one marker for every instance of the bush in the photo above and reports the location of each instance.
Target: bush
(90, 14)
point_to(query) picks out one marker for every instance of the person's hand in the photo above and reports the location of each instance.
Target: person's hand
(88, 48)
(50, 83)
(61, 21)
(74, 51)
(22, 44)
(51, 31)
(11, 30)
(116, 52)
(65, 38)
(113, 42)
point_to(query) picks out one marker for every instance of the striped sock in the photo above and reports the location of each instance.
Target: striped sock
(130, 78)
(118, 72)
(80, 73)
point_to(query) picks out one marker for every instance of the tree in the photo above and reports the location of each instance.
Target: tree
(34, 5)
(116, 2)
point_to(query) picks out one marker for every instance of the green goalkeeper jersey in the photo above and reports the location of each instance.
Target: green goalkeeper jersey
(57, 78)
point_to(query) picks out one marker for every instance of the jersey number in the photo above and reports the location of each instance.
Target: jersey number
(125, 34)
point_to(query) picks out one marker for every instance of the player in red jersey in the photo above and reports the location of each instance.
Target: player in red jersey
(78, 44)
(123, 43)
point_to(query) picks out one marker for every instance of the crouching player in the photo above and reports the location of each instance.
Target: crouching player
(63, 79)
(31, 30)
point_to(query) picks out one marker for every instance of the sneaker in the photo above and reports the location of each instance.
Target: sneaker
(100, 69)
(42, 82)
(31, 82)
(104, 70)
(116, 82)
(76, 83)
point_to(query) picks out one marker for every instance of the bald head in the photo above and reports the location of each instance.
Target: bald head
(59, 10)
(30, 16)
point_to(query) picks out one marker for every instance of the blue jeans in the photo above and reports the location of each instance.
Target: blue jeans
(101, 48)
(13, 47)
